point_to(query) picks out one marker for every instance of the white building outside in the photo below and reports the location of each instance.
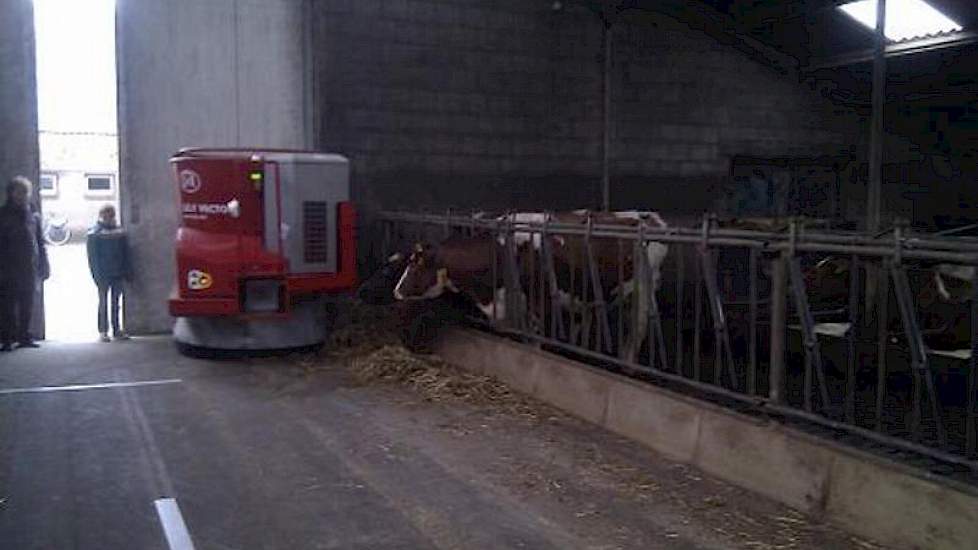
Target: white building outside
(79, 174)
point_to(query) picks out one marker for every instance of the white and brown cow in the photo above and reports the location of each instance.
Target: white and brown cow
(464, 265)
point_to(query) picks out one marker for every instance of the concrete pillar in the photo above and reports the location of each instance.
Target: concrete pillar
(220, 73)
(19, 150)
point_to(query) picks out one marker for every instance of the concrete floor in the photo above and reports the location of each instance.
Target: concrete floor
(290, 453)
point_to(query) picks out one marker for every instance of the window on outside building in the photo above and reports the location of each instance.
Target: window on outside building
(905, 19)
(49, 185)
(99, 184)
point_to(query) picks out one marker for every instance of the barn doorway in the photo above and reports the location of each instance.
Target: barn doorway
(79, 151)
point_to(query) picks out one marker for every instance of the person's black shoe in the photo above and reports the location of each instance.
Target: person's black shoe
(6, 347)
(28, 344)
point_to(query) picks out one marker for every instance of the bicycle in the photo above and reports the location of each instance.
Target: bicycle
(56, 231)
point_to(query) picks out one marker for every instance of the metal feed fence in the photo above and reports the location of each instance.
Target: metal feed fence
(729, 315)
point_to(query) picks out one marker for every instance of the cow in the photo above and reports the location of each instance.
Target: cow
(571, 251)
(378, 289)
(418, 321)
(459, 265)
(464, 265)
(942, 294)
(944, 303)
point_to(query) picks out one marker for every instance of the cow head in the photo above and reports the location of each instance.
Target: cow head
(424, 278)
(378, 289)
(828, 283)
(948, 284)
(830, 268)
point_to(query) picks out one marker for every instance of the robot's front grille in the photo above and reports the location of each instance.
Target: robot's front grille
(315, 232)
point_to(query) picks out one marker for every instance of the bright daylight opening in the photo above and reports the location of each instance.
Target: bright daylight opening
(76, 81)
(905, 19)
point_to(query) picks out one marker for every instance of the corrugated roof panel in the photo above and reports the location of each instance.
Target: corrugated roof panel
(905, 19)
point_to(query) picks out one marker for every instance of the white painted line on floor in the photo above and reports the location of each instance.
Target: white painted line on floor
(81, 387)
(174, 528)
(149, 450)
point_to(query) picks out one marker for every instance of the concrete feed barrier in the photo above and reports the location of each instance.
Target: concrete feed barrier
(867, 495)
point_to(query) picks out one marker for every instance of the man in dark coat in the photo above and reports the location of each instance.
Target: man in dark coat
(108, 260)
(23, 263)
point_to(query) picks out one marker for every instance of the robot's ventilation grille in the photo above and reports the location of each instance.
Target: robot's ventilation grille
(315, 231)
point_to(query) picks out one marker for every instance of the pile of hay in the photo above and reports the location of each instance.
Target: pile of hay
(369, 345)
(431, 377)
(369, 328)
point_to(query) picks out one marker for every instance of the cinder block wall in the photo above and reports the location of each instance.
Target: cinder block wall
(686, 104)
(497, 103)
(464, 103)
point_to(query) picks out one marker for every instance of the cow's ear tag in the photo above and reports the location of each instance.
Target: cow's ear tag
(418, 247)
(839, 269)
(395, 257)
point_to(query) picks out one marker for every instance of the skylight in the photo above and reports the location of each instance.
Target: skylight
(905, 19)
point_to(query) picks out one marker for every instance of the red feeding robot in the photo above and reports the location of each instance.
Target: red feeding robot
(265, 237)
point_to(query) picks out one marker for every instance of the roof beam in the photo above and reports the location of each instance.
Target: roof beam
(784, 11)
(720, 27)
(699, 16)
(909, 47)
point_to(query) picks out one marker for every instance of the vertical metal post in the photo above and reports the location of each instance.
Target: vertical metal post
(813, 351)
(515, 297)
(655, 327)
(588, 304)
(752, 369)
(556, 313)
(531, 279)
(923, 376)
(496, 235)
(606, 132)
(882, 340)
(641, 276)
(621, 297)
(603, 328)
(721, 333)
(572, 335)
(542, 304)
(716, 311)
(851, 340)
(973, 371)
(651, 313)
(779, 314)
(874, 199)
(697, 319)
(679, 309)
(635, 312)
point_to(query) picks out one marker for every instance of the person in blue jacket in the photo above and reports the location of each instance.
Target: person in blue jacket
(108, 260)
